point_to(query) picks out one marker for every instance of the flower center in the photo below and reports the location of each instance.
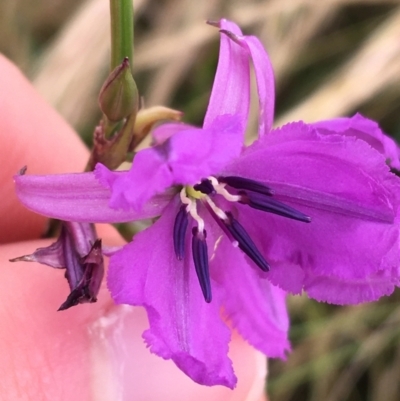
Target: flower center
(245, 191)
(192, 193)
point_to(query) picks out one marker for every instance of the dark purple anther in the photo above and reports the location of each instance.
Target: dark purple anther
(200, 258)
(205, 187)
(268, 204)
(180, 226)
(246, 183)
(246, 244)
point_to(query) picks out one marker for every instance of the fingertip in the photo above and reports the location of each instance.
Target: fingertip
(124, 365)
(44, 353)
(31, 134)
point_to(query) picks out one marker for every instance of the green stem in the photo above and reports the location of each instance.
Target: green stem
(121, 31)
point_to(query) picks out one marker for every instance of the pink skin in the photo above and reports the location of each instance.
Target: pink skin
(75, 354)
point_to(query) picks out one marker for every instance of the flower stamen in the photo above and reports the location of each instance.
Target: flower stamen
(200, 259)
(248, 192)
(205, 186)
(219, 212)
(220, 189)
(246, 244)
(267, 204)
(246, 184)
(220, 218)
(180, 227)
(191, 208)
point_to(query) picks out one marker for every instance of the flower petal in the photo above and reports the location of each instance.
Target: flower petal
(255, 307)
(183, 327)
(265, 83)
(184, 159)
(329, 172)
(131, 190)
(354, 291)
(165, 131)
(365, 129)
(346, 188)
(198, 153)
(77, 197)
(340, 265)
(231, 90)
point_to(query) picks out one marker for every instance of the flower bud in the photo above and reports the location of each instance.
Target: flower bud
(119, 95)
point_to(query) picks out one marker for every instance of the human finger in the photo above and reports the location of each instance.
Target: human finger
(35, 135)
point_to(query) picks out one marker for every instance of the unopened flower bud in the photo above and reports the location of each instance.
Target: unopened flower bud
(119, 95)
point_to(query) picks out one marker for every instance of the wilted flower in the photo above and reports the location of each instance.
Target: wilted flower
(78, 251)
(249, 213)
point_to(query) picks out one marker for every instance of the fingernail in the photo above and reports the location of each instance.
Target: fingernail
(123, 368)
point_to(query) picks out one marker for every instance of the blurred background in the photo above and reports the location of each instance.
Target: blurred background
(331, 58)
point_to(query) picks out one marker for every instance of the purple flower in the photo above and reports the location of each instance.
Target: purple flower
(234, 220)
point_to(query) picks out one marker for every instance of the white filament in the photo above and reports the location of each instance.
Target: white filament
(220, 213)
(191, 208)
(220, 189)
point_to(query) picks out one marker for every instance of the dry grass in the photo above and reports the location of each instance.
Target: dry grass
(332, 57)
(374, 67)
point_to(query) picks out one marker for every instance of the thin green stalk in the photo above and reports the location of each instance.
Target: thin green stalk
(121, 31)
(121, 16)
